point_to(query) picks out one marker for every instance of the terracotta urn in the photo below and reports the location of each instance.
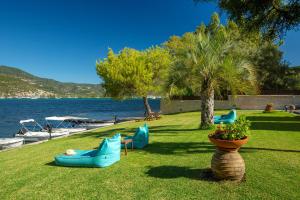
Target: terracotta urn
(227, 163)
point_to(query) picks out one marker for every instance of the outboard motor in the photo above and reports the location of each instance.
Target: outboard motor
(116, 119)
(22, 131)
(48, 127)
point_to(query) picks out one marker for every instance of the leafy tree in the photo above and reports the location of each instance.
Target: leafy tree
(272, 17)
(207, 61)
(271, 70)
(133, 73)
(293, 79)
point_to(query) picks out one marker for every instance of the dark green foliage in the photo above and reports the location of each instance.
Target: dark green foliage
(293, 78)
(17, 83)
(274, 73)
(236, 131)
(272, 17)
(271, 70)
(208, 61)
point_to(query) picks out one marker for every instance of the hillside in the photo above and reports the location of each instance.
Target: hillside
(17, 83)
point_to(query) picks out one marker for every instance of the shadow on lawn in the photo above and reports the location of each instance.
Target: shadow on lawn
(157, 130)
(170, 172)
(160, 130)
(180, 148)
(248, 149)
(167, 148)
(53, 164)
(275, 126)
(275, 123)
(273, 118)
(100, 134)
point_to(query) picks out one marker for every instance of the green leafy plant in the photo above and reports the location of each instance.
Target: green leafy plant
(236, 131)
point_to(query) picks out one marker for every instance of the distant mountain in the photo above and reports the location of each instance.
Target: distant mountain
(17, 83)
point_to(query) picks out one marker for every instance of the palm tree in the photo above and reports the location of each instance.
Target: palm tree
(207, 61)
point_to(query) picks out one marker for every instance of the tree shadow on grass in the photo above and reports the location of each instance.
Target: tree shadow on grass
(275, 126)
(183, 148)
(99, 134)
(172, 172)
(274, 118)
(275, 123)
(170, 129)
(157, 130)
(249, 149)
(161, 131)
(178, 148)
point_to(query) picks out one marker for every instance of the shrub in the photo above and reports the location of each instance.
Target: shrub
(236, 131)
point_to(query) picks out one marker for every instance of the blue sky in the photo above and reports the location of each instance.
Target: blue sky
(62, 39)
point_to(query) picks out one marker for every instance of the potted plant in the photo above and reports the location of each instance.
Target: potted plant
(269, 108)
(231, 136)
(227, 163)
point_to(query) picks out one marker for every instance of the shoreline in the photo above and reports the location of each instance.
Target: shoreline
(131, 119)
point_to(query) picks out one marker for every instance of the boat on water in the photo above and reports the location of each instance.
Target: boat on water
(6, 143)
(76, 124)
(32, 131)
(65, 123)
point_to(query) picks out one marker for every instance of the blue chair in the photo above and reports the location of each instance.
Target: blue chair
(107, 154)
(140, 138)
(226, 119)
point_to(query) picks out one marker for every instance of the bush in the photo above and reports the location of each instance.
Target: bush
(236, 131)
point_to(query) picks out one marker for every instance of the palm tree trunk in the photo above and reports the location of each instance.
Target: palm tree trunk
(147, 106)
(207, 107)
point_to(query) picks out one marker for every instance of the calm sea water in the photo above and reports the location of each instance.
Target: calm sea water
(14, 110)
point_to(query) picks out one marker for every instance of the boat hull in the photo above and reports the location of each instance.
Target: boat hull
(39, 136)
(70, 130)
(7, 143)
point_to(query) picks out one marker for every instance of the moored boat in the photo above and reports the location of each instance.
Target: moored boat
(32, 131)
(65, 123)
(6, 143)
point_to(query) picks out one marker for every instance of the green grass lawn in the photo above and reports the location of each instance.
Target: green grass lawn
(173, 166)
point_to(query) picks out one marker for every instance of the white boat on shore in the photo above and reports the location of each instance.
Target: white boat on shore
(75, 124)
(36, 132)
(7, 143)
(65, 123)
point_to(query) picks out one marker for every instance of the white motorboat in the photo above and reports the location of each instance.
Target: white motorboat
(32, 131)
(6, 143)
(65, 123)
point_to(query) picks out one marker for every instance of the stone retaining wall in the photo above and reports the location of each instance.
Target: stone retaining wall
(247, 102)
(258, 102)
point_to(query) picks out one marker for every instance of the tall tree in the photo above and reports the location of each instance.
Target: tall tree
(272, 17)
(272, 71)
(133, 73)
(207, 61)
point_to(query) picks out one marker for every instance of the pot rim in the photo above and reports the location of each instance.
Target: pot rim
(245, 138)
